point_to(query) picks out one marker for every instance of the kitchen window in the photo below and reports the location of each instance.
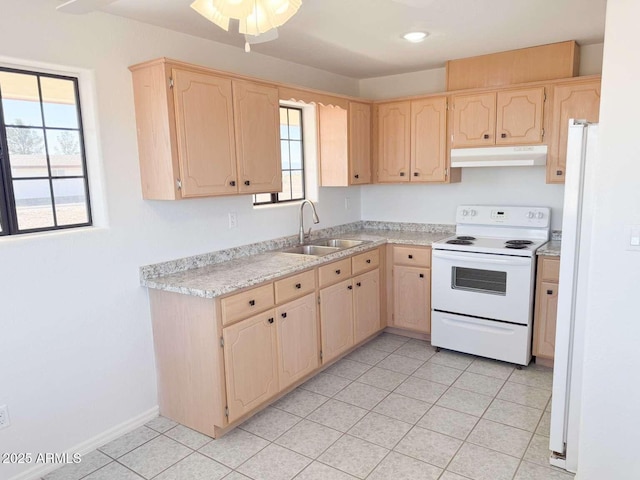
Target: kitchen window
(43, 169)
(292, 154)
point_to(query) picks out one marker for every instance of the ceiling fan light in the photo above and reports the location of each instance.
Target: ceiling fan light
(233, 8)
(211, 13)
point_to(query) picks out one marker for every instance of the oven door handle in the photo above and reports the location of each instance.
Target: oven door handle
(482, 258)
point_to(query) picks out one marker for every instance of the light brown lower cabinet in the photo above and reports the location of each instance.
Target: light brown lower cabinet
(297, 333)
(366, 305)
(546, 307)
(412, 298)
(336, 319)
(251, 363)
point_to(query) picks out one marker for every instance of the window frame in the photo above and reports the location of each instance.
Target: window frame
(8, 210)
(274, 196)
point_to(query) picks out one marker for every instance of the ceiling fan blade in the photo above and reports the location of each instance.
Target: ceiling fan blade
(79, 7)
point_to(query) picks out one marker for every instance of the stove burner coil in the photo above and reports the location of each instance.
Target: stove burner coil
(456, 241)
(465, 237)
(518, 242)
(515, 246)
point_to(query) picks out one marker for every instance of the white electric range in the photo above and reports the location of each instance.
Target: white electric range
(483, 279)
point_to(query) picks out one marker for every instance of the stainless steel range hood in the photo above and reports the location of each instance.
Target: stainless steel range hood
(524, 156)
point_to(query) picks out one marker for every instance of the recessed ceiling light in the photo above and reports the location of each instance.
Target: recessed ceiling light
(415, 37)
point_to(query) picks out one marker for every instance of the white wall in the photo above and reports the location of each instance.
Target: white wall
(509, 185)
(482, 186)
(76, 353)
(611, 391)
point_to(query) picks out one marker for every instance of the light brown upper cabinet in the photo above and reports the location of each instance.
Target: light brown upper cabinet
(580, 101)
(359, 143)
(204, 134)
(344, 144)
(412, 141)
(257, 123)
(506, 117)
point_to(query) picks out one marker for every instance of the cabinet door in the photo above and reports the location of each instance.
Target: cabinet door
(336, 319)
(359, 143)
(333, 148)
(394, 142)
(256, 110)
(251, 363)
(578, 101)
(474, 120)
(204, 127)
(429, 140)
(544, 341)
(519, 116)
(366, 304)
(412, 298)
(297, 329)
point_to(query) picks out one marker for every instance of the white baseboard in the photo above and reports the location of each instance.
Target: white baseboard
(91, 444)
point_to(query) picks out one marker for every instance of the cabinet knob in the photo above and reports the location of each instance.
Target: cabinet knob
(338, 272)
(357, 176)
(504, 135)
(298, 286)
(284, 315)
(422, 275)
(549, 292)
(368, 260)
(416, 174)
(358, 284)
(402, 174)
(247, 183)
(270, 320)
(232, 183)
(350, 287)
(486, 136)
(410, 256)
(252, 303)
(558, 172)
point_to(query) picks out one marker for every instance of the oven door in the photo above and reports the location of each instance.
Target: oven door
(498, 287)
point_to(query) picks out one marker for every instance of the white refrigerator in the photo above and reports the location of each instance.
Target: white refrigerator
(582, 150)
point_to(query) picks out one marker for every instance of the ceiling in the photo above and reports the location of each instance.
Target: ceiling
(362, 38)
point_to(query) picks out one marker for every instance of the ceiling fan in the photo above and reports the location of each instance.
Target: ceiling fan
(79, 7)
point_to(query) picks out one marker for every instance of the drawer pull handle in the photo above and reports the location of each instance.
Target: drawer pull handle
(252, 303)
(284, 315)
(368, 260)
(359, 284)
(504, 135)
(350, 287)
(298, 286)
(270, 320)
(549, 292)
(402, 174)
(422, 275)
(338, 272)
(416, 174)
(410, 257)
(486, 136)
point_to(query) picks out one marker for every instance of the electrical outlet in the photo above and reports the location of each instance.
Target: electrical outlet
(4, 417)
(233, 220)
(347, 203)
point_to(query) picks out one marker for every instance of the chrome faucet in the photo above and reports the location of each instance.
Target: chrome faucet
(315, 218)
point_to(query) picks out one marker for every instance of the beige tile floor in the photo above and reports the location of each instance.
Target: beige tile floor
(393, 409)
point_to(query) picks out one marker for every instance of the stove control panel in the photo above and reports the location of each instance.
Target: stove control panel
(534, 217)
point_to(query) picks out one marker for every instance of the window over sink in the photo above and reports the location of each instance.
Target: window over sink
(292, 157)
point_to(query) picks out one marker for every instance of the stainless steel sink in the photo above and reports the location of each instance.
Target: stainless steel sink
(338, 242)
(315, 250)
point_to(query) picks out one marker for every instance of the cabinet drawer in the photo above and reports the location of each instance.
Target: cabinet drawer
(334, 272)
(295, 286)
(549, 269)
(365, 261)
(413, 256)
(247, 303)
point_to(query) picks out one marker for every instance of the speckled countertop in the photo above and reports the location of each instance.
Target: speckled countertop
(550, 249)
(218, 273)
